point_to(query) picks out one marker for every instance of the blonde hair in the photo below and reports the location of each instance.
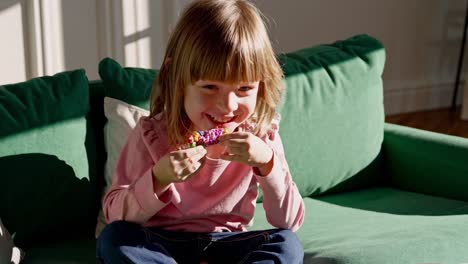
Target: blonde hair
(220, 40)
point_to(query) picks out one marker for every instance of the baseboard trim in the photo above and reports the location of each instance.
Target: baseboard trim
(419, 98)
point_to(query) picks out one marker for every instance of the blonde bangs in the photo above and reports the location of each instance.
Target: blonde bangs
(229, 62)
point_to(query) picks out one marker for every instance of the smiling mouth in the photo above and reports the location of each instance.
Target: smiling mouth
(220, 121)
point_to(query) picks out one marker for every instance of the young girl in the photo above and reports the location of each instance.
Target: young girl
(169, 204)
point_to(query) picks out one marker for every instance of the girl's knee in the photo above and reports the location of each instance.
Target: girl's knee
(117, 229)
(122, 226)
(291, 245)
(116, 234)
(287, 235)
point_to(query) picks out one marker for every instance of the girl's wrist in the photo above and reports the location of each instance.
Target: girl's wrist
(159, 188)
(158, 184)
(265, 169)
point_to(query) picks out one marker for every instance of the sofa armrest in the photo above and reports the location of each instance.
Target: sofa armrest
(426, 162)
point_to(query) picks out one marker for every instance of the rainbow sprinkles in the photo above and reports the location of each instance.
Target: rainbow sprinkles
(204, 137)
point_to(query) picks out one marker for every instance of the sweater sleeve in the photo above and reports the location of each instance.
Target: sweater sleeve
(282, 201)
(132, 196)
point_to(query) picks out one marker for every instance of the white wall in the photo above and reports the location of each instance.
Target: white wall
(422, 40)
(43, 37)
(422, 37)
(12, 46)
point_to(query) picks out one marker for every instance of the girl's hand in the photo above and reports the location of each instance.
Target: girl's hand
(249, 149)
(179, 165)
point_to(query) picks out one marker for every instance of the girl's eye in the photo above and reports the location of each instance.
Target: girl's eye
(245, 88)
(209, 87)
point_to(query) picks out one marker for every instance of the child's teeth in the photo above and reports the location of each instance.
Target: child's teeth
(220, 120)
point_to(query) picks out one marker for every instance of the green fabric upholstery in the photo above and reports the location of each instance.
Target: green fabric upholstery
(66, 252)
(332, 114)
(131, 85)
(427, 162)
(381, 225)
(374, 192)
(44, 145)
(43, 101)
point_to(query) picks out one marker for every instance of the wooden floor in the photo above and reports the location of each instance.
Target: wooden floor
(441, 120)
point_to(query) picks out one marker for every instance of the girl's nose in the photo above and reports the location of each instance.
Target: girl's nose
(228, 103)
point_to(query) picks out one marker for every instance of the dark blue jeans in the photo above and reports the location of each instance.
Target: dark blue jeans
(124, 242)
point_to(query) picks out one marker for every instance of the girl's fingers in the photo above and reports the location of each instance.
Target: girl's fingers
(183, 162)
(235, 150)
(185, 153)
(197, 156)
(189, 171)
(234, 135)
(188, 166)
(236, 147)
(234, 141)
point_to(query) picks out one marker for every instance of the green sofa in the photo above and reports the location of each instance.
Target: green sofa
(375, 193)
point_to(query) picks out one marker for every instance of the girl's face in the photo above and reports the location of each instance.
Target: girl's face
(211, 104)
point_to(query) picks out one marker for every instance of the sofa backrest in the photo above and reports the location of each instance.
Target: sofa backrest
(333, 114)
(48, 159)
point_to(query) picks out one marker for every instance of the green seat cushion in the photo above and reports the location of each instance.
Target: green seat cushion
(47, 158)
(131, 85)
(66, 252)
(332, 112)
(382, 225)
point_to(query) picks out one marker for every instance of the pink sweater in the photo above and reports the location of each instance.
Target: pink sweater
(221, 197)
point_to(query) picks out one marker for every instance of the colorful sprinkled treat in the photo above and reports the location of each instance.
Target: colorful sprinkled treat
(204, 138)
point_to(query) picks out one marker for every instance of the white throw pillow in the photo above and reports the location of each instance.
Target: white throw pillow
(8, 252)
(121, 119)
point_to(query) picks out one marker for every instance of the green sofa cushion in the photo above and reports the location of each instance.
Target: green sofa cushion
(327, 147)
(332, 113)
(131, 85)
(44, 145)
(381, 225)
